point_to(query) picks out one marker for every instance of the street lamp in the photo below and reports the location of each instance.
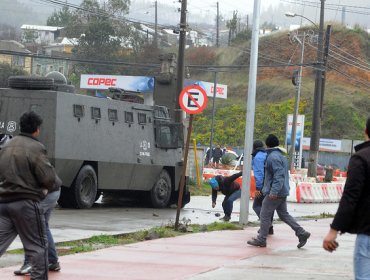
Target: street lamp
(290, 14)
(298, 84)
(316, 114)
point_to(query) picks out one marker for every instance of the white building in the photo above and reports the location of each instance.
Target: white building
(41, 35)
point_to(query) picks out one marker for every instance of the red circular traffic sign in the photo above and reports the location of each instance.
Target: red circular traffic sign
(193, 99)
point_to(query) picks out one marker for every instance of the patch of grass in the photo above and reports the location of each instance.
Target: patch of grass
(203, 190)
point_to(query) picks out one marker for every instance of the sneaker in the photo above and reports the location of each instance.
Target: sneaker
(256, 242)
(271, 230)
(54, 266)
(303, 239)
(25, 269)
(225, 218)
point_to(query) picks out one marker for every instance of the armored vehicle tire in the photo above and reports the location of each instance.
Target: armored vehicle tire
(26, 82)
(84, 188)
(161, 192)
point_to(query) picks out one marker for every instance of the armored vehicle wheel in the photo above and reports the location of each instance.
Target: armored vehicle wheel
(84, 188)
(26, 82)
(161, 192)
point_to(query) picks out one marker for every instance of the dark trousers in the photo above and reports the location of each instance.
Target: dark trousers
(24, 217)
(257, 206)
(268, 208)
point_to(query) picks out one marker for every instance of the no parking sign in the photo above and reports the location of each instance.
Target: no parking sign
(193, 99)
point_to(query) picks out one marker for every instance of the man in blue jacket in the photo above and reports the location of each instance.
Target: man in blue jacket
(353, 214)
(258, 164)
(275, 190)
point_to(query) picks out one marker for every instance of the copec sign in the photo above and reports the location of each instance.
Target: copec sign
(142, 84)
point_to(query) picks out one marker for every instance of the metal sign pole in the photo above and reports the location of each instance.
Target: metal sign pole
(182, 179)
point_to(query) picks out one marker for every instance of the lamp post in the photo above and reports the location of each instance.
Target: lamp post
(316, 120)
(289, 14)
(296, 104)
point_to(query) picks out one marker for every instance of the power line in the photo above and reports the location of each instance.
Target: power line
(100, 13)
(365, 84)
(347, 53)
(316, 5)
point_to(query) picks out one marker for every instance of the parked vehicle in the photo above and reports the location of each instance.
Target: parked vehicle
(99, 144)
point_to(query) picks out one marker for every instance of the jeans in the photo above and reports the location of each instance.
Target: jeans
(361, 258)
(47, 205)
(268, 208)
(228, 202)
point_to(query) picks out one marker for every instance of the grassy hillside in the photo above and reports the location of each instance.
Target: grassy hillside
(346, 99)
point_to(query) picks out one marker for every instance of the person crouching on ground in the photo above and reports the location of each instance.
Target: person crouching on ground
(228, 187)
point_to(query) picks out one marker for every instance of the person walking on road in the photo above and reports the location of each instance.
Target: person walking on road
(230, 188)
(47, 205)
(26, 176)
(353, 214)
(258, 164)
(275, 190)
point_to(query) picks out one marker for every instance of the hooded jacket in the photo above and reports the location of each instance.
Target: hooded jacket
(25, 171)
(276, 173)
(227, 185)
(258, 163)
(354, 207)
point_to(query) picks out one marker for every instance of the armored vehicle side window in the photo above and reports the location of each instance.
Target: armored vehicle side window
(112, 115)
(95, 113)
(141, 118)
(78, 110)
(129, 117)
(168, 135)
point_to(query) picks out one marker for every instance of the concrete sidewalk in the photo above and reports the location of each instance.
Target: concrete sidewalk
(213, 255)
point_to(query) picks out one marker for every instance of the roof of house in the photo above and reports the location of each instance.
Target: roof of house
(41, 27)
(10, 45)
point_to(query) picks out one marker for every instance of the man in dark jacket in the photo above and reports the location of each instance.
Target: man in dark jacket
(228, 187)
(26, 176)
(353, 214)
(275, 191)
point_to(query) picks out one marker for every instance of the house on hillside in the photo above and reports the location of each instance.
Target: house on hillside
(40, 35)
(15, 60)
(61, 45)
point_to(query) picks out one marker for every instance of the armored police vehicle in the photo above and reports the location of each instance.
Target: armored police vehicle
(99, 144)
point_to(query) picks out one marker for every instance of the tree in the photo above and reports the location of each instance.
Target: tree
(103, 33)
(61, 18)
(232, 25)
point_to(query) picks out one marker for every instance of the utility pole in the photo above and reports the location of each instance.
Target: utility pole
(218, 27)
(180, 60)
(213, 113)
(293, 136)
(156, 25)
(316, 120)
(249, 123)
(326, 53)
